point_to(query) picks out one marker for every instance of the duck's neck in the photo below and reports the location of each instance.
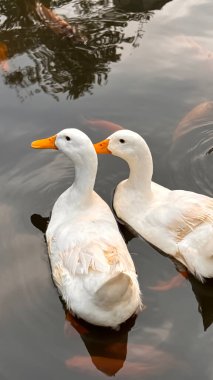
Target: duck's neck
(140, 176)
(85, 173)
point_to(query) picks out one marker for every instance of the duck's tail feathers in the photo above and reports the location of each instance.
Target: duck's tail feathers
(117, 289)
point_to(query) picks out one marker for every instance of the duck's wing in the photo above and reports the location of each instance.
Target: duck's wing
(183, 212)
(92, 246)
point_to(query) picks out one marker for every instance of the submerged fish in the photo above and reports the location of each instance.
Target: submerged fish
(200, 116)
(58, 24)
(174, 282)
(4, 57)
(201, 51)
(106, 124)
(143, 360)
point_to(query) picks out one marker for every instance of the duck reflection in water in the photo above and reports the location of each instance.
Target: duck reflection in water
(107, 348)
(204, 297)
(108, 351)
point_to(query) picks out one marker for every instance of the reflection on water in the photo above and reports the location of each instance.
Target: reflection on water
(204, 296)
(70, 56)
(40, 222)
(108, 351)
(107, 348)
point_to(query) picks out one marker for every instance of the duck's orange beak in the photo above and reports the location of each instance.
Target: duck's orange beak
(48, 143)
(102, 147)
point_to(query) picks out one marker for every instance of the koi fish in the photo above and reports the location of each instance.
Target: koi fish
(58, 24)
(174, 282)
(200, 115)
(106, 124)
(4, 57)
(202, 52)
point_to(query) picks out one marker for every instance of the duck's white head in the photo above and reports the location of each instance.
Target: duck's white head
(124, 144)
(132, 148)
(73, 142)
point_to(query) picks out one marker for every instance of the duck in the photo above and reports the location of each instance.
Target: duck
(176, 222)
(91, 265)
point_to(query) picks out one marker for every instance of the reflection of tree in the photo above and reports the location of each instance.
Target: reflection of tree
(140, 6)
(63, 60)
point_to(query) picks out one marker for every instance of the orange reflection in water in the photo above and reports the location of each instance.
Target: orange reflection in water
(4, 57)
(74, 322)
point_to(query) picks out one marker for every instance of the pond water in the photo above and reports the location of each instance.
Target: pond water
(148, 66)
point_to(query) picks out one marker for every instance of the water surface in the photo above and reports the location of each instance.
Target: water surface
(146, 65)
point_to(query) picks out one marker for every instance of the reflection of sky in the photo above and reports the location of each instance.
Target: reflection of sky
(181, 46)
(149, 91)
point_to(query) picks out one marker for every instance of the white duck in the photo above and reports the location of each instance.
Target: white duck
(180, 223)
(91, 265)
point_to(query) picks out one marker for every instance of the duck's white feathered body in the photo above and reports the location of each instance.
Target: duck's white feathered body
(178, 222)
(91, 265)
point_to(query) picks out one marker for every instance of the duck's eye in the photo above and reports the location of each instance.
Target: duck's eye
(67, 138)
(122, 141)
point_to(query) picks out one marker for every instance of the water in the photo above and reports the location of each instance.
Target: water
(144, 65)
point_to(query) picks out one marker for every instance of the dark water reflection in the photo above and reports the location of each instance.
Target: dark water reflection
(147, 65)
(72, 59)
